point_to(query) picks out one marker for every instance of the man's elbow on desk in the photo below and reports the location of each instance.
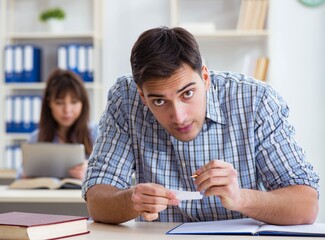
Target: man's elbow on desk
(108, 204)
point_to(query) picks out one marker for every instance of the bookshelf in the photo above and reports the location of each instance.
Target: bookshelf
(20, 25)
(229, 32)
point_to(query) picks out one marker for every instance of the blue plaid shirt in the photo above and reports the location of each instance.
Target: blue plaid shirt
(246, 125)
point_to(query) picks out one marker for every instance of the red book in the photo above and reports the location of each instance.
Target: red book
(22, 225)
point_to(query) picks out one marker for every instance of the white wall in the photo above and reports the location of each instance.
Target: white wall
(297, 60)
(297, 47)
(124, 21)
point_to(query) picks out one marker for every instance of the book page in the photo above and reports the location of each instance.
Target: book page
(236, 226)
(308, 229)
(34, 183)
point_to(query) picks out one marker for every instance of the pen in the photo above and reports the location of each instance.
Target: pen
(194, 176)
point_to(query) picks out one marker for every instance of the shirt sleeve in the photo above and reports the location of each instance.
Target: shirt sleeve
(281, 161)
(112, 159)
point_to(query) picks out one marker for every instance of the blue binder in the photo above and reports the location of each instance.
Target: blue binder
(18, 63)
(9, 113)
(90, 63)
(9, 64)
(32, 64)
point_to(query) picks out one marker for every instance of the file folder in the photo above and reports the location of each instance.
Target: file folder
(32, 64)
(90, 63)
(18, 63)
(9, 64)
(62, 57)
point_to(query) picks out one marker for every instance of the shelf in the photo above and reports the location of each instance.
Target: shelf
(41, 86)
(232, 34)
(47, 35)
(17, 136)
(7, 174)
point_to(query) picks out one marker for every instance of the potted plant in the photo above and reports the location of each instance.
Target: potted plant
(54, 18)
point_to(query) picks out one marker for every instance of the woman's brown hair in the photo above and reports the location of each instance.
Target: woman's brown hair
(59, 84)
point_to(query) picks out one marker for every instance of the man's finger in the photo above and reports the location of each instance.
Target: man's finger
(149, 216)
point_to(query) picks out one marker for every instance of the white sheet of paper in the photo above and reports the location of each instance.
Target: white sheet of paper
(187, 195)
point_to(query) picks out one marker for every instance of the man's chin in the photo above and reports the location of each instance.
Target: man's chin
(185, 137)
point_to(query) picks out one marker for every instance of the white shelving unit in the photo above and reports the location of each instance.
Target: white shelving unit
(20, 25)
(214, 25)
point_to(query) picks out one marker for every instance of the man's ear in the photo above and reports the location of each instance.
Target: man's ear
(141, 95)
(206, 77)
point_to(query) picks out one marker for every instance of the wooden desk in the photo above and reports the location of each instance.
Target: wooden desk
(68, 202)
(150, 231)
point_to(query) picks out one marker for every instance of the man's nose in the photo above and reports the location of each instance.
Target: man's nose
(178, 113)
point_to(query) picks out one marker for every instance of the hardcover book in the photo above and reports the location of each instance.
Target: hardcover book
(23, 225)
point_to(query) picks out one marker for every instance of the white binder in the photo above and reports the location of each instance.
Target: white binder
(18, 63)
(62, 57)
(9, 63)
(27, 112)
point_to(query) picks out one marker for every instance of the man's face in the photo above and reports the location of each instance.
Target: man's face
(179, 102)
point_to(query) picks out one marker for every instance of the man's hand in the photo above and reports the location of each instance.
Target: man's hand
(218, 178)
(149, 199)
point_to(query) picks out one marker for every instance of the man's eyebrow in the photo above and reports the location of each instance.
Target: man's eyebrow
(186, 86)
(178, 91)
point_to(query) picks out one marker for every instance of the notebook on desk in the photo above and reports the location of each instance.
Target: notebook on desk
(51, 159)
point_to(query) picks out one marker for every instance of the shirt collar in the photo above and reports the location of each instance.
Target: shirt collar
(214, 111)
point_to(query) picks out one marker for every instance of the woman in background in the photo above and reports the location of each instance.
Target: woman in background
(65, 115)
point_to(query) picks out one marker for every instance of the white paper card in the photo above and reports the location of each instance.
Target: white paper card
(186, 195)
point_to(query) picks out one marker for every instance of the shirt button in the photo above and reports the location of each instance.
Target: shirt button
(183, 164)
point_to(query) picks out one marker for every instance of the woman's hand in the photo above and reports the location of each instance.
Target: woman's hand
(79, 170)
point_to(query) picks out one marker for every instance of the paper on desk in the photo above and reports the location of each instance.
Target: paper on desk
(187, 195)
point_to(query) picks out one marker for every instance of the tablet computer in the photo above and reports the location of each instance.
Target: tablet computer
(51, 159)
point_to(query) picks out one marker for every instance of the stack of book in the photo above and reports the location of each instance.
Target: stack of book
(252, 15)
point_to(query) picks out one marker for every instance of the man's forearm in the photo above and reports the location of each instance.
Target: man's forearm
(108, 204)
(289, 205)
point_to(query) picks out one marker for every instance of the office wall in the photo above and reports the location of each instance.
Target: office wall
(124, 20)
(297, 47)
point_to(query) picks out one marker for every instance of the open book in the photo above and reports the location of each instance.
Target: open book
(248, 226)
(22, 225)
(46, 182)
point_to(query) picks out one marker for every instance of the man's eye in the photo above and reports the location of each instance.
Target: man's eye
(188, 94)
(158, 102)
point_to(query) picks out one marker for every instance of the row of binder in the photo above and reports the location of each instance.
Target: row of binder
(22, 113)
(13, 157)
(22, 63)
(77, 58)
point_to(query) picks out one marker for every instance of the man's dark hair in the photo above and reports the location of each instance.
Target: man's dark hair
(159, 52)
